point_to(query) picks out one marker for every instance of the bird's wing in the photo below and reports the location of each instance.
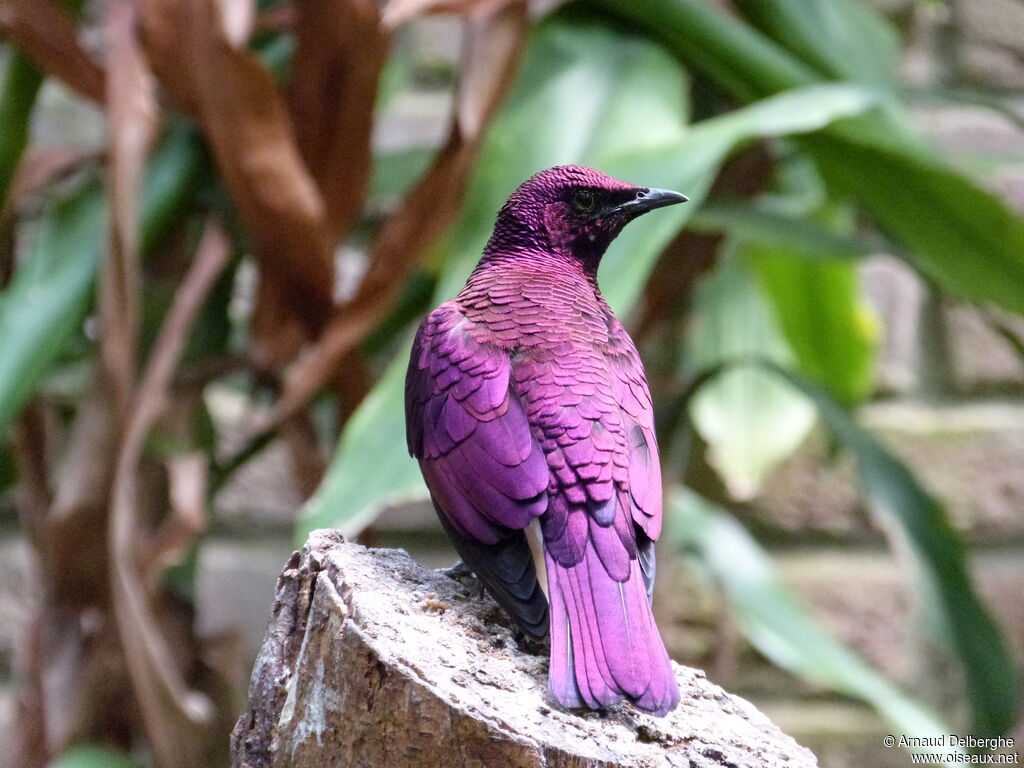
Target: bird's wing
(486, 473)
(644, 464)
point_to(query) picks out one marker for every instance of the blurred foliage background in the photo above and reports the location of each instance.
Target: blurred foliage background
(220, 221)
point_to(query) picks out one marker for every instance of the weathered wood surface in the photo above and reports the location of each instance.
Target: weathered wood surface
(371, 660)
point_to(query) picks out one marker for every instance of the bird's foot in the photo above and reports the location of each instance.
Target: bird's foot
(461, 573)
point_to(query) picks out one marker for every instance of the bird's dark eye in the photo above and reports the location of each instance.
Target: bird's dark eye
(583, 200)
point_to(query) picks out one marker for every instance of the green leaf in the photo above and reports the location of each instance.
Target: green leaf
(691, 164)
(745, 61)
(172, 174)
(826, 321)
(842, 39)
(750, 418)
(18, 93)
(772, 618)
(94, 757)
(394, 172)
(962, 237)
(771, 229)
(965, 239)
(372, 468)
(49, 294)
(967, 628)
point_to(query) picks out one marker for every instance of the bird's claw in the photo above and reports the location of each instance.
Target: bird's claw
(461, 573)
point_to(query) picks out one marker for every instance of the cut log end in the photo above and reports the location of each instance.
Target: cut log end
(371, 659)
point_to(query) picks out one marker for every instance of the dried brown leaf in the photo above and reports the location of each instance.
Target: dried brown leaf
(187, 477)
(490, 57)
(276, 331)
(74, 554)
(46, 33)
(308, 464)
(234, 98)
(131, 112)
(339, 54)
(187, 485)
(171, 711)
(33, 479)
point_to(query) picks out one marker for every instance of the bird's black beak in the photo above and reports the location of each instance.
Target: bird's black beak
(648, 199)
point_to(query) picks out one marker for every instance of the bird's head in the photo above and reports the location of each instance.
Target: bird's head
(574, 211)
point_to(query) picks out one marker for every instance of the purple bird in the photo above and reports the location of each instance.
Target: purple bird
(526, 399)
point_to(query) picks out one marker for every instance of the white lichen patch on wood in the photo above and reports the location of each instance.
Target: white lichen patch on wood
(320, 702)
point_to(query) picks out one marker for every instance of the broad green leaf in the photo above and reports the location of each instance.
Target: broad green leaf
(396, 171)
(823, 315)
(773, 619)
(94, 757)
(578, 99)
(372, 468)
(739, 57)
(966, 626)
(962, 237)
(966, 239)
(778, 230)
(691, 164)
(750, 418)
(842, 39)
(49, 294)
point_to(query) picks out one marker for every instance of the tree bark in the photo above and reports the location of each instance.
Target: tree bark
(370, 659)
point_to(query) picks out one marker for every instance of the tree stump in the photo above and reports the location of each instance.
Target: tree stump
(371, 659)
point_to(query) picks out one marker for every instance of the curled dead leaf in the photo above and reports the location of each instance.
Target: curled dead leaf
(340, 51)
(131, 113)
(235, 99)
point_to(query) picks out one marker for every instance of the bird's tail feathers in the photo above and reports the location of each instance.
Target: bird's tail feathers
(605, 646)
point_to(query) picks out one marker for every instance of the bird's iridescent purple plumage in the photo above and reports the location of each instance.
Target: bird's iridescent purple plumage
(526, 399)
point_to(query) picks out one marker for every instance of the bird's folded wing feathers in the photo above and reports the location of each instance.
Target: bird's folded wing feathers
(487, 474)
